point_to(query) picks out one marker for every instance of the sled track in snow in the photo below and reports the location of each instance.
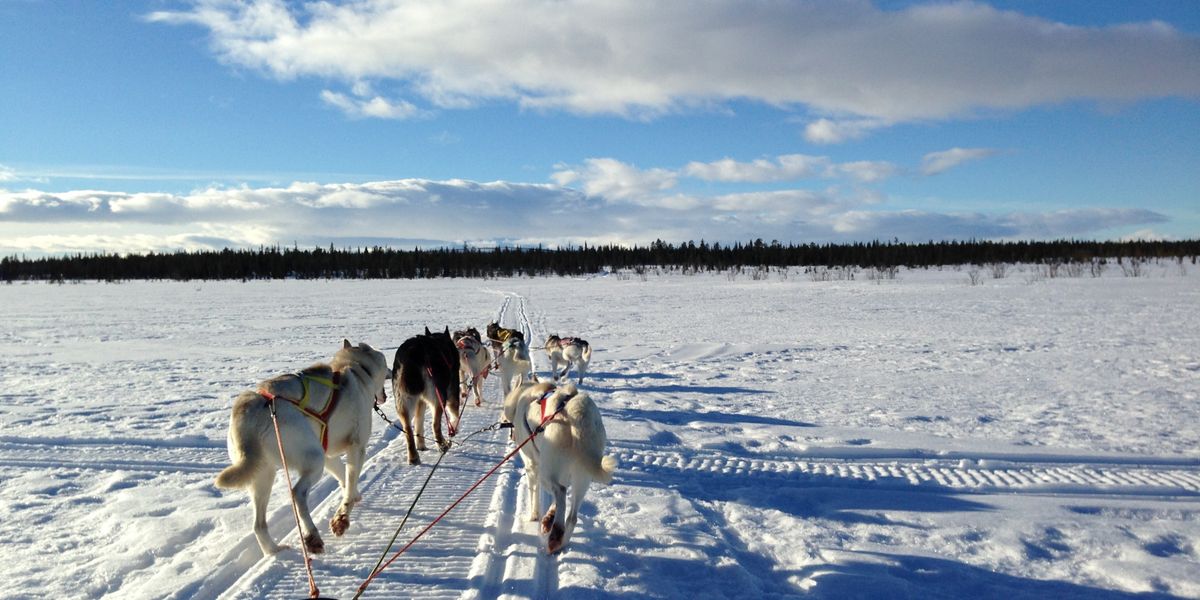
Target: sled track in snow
(1048, 478)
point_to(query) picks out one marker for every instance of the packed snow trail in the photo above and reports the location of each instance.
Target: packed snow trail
(435, 567)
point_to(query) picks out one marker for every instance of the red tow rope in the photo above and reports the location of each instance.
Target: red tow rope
(313, 592)
(507, 457)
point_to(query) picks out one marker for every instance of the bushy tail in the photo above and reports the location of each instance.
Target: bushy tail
(244, 446)
(587, 353)
(603, 473)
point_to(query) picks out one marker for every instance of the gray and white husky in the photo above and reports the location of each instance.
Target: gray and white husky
(568, 351)
(475, 362)
(568, 453)
(323, 412)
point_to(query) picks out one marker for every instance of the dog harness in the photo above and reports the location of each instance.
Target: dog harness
(321, 413)
(512, 342)
(571, 341)
(562, 403)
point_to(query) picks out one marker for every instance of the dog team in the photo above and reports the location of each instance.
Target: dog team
(323, 413)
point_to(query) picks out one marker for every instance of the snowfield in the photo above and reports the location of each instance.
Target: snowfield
(915, 438)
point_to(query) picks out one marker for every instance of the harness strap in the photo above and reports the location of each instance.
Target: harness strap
(562, 403)
(322, 418)
(451, 428)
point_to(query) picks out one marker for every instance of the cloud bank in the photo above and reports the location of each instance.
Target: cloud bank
(854, 66)
(602, 201)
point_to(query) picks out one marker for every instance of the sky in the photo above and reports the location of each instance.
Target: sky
(159, 125)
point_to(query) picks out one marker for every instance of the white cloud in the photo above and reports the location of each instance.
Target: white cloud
(919, 225)
(614, 180)
(861, 66)
(374, 106)
(617, 202)
(1146, 235)
(940, 162)
(784, 168)
(828, 131)
(865, 171)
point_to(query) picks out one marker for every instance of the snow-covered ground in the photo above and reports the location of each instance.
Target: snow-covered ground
(916, 438)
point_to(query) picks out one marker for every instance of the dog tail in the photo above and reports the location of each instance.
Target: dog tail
(603, 473)
(587, 352)
(244, 445)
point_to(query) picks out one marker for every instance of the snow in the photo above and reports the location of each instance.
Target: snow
(923, 437)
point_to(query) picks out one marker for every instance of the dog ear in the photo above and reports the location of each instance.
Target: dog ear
(447, 332)
(345, 343)
(427, 330)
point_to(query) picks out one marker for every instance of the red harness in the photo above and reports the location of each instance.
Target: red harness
(322, 418)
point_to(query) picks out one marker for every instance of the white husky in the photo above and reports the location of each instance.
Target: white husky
(568, 351)
(568, 453)
(514, 363)
(323, 411)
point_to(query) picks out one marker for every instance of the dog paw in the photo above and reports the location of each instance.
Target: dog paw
(414, 459)
(339, 524)
(548, 521)
(314, 544)
(557, 539)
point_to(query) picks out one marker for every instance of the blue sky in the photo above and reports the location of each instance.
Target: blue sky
(158, 125)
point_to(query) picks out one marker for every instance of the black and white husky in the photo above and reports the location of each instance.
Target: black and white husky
(323, 412)
(568, 351)
(568, 453)
(425, 374)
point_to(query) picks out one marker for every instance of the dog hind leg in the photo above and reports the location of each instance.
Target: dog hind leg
(579, 488)
(260, 492)
(310, 473)
(406, 423)
(419, 424)
(556, 539)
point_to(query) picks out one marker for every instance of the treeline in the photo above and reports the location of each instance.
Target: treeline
(388, 263)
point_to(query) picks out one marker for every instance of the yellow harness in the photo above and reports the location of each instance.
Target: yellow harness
(319, 414)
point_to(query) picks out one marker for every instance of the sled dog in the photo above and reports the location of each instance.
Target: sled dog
(323, 412)
(497, 335)
(475, 362)
(425, 374)
(568, 351)
(514, 362)
(568, 453)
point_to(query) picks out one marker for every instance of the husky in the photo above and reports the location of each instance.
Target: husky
(569, 453)
(323, 412)
(475, 362)
(497, 335)
(514, 363)
(425, 374)
(568, 351)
